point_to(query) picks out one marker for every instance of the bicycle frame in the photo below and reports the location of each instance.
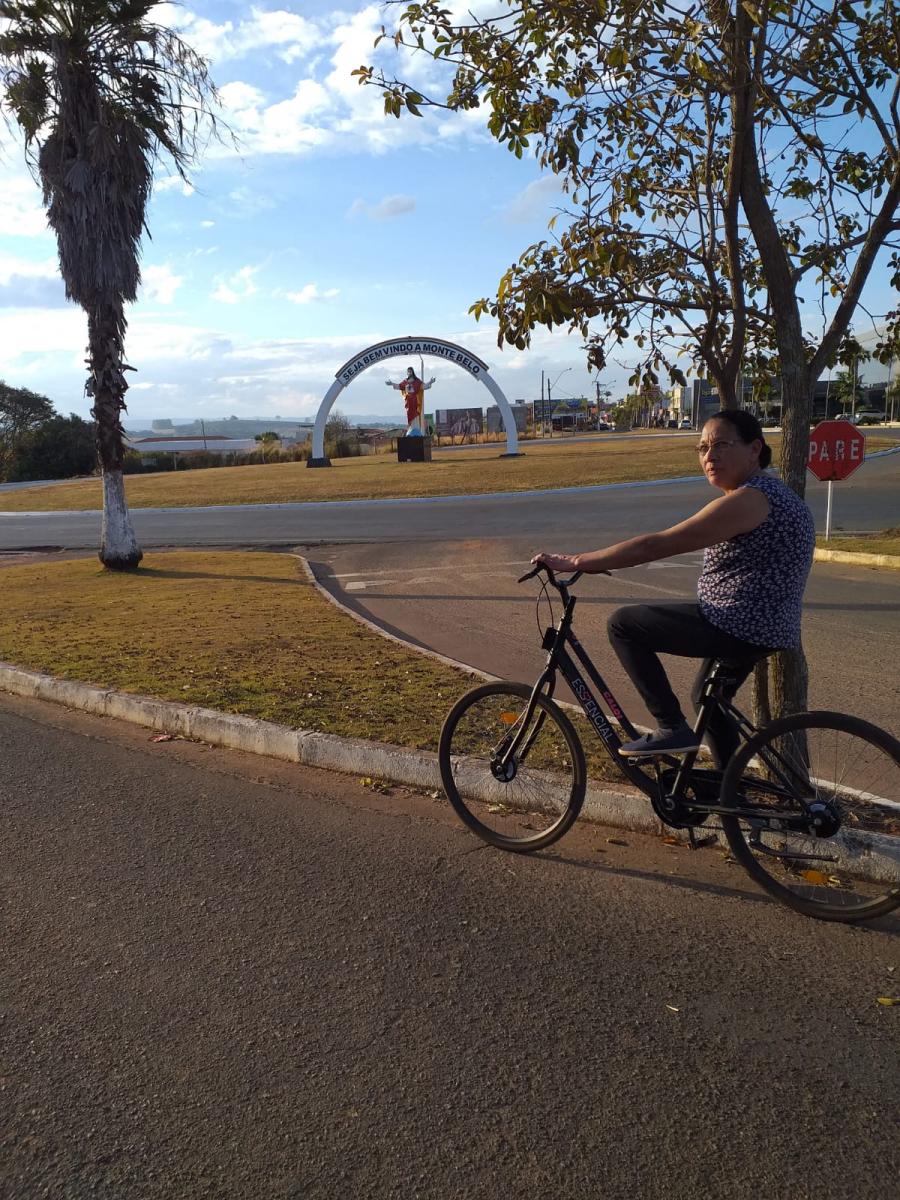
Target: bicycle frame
(557, 640)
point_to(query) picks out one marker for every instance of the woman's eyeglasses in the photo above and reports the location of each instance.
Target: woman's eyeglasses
(705, 448)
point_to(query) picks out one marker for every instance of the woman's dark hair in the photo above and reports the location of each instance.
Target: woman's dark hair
(748, 428)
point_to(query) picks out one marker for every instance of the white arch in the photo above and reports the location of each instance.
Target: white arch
(403, 348)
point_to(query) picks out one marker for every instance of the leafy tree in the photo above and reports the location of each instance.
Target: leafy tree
(709, 179)
(341, 439)
(20, 410)
(59, 448)
(268, 437)
(100, 93)
(846, 389)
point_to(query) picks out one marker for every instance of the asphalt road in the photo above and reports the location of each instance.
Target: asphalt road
(870, 499)
(233, 978)
(461, 599)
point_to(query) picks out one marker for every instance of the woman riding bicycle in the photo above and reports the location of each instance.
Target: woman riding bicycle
(759, 538)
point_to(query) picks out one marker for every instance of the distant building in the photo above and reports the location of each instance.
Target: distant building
(228, 427)
(153, 447)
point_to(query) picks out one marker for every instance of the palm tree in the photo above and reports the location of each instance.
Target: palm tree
(101, 93)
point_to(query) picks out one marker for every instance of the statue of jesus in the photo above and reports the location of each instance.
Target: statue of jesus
(413, 390)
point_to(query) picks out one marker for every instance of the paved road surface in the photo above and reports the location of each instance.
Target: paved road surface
(870, 499)
(461, 599)
(232, 978)
(442, 572)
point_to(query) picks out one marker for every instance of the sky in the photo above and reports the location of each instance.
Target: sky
(330, 227)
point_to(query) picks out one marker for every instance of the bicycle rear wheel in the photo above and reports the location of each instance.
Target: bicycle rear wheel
(825, 834)
(523, 800)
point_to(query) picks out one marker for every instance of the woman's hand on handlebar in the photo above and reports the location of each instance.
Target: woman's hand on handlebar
(556, 562)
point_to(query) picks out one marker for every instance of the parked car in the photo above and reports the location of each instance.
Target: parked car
(602, 426)
(685, 423)
(770, 423)
(867, 417)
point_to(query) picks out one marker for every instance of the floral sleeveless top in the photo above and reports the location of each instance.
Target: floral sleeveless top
(752, 585)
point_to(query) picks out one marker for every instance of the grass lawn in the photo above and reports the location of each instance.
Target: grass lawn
(455, 472)
(238, 632)
(243, 633)
(886, 542)
(479, 469)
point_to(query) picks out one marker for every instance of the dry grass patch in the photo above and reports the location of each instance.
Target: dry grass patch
(886, 542)
(454, 472)
(242, 633)
(238, 632)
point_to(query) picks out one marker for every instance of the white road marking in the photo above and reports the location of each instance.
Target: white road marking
(454, 568)
(468, 573)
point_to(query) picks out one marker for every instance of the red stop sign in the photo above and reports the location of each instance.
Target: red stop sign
(836, 449)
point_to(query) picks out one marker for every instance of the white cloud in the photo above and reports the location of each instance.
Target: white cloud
(29, 283)
(12, 265)
(534, 202)
(172, 183)
(327, 108)
(283, 127)
(245, 202)
(386, 209)
(29, 343)
(287, 34)
(21, 211)
(311, 292)
(236, 287)
(160, 283)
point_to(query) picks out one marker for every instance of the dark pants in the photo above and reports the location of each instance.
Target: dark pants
(639, 632)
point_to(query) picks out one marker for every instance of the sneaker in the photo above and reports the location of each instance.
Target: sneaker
(662, 741)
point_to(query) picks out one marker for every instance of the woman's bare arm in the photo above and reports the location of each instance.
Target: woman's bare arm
(721, 519)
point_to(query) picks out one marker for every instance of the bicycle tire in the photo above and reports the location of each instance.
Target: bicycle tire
(543, 796)
(845, 773)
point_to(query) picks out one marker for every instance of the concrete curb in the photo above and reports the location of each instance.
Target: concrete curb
(873, 856)
(355, 756)
(891, 561)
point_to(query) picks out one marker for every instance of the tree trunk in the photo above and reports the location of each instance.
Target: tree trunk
(796, 408)
(119, 549)
(789, 682)
(759, 692)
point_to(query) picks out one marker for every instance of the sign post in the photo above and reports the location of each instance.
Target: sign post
(836, 449)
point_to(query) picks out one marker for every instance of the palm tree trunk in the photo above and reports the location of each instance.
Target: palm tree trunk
(119, 549)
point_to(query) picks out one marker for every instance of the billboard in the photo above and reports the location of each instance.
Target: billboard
(494, 418)
(458, 422)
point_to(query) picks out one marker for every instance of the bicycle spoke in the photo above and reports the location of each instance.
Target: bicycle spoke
(517, 780)
(830, 843)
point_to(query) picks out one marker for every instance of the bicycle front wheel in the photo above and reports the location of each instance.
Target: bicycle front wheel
(517, 782)
(820, 794)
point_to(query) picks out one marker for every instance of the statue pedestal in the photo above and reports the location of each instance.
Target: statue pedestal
(413, 449)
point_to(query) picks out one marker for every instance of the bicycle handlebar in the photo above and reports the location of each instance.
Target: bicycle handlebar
(559, 584)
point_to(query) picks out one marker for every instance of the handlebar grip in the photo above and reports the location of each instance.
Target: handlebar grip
(529, 574)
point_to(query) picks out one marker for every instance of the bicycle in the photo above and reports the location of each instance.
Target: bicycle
(513, 767)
